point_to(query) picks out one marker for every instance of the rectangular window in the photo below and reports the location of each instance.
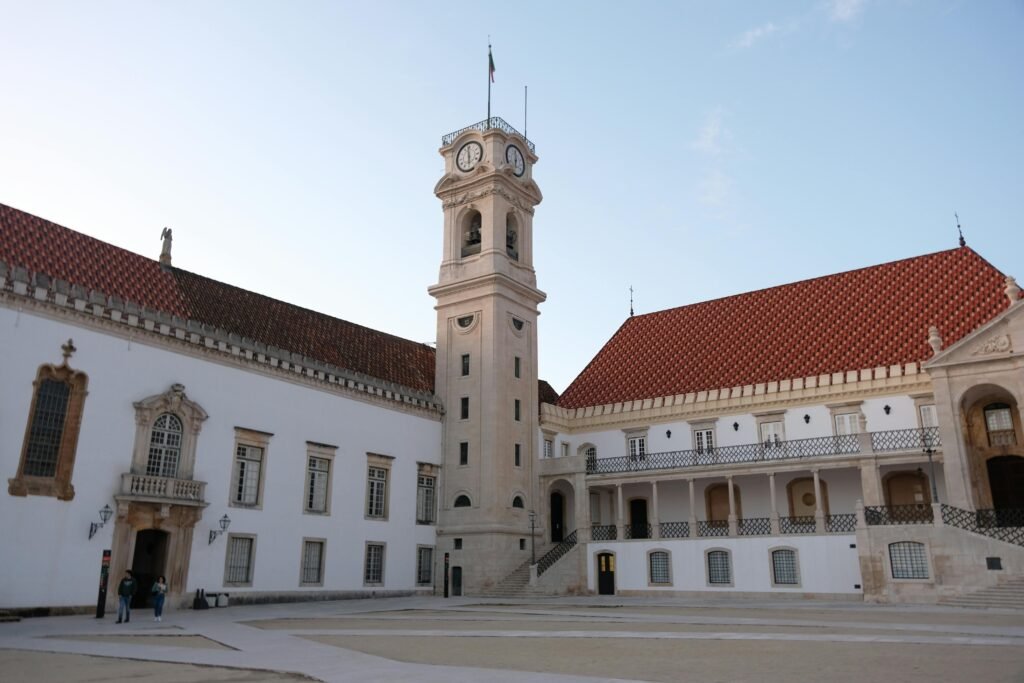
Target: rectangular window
(318, 475)
(457, 544)
(908, 560)
(238, 565)
(312, 562)
(719, 571)
(47, 429)
(517, 367)
(464, 408)
(465, 364)
(426, 488)
(784, 567)
(517, 410)
(637, 447)
(847, 423)
(659, 567)
(424, 566)
(548, 448)
(704, 440)
(373, 572)
(519, 456)
(248, 469)
(565, 449)
(377, 491)
(463, 452)
(929, 417)
(772, 434)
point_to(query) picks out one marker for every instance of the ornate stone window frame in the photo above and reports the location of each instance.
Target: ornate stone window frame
(770, 416)
(703, 425)
(636, 433)
(58, 486)
(177, 403)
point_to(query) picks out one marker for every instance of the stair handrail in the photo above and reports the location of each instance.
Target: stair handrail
(992, 523)
(556, 553)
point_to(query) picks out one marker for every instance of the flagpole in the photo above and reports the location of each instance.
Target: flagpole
(489, 61)
(526, 95)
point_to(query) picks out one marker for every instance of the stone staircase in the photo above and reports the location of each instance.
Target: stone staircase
(517, 584)
(1008, 594)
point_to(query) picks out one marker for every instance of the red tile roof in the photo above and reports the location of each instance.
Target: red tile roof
(867, 318)
(546, 392)
(47, 248)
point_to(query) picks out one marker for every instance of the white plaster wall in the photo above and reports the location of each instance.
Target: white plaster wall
(48, 559)
(827, 564)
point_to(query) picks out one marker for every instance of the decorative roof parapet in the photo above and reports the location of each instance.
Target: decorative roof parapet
(17, 280)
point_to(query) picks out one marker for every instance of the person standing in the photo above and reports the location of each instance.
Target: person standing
(125, 593)
(159, 592)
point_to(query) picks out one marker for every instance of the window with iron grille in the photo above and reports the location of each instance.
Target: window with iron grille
(517, 502)
(703, 440)
(465, 364)
(312, 562)
(164, 447)
(784, 571)
(659, 567)
(425, 499)
(376, 492)
(374, 569)
(565, 449)
(548, 448)
(637, 447)
(238, 566)
(47, 430)
(999, 424)
(424, 566)
(318, 475)
(909, 560)
(719, 571)
(248, 468)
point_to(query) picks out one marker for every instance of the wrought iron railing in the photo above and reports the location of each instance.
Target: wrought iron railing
(147, 486)
(487, 124)
(905, 439)
(798, 525)
(883, 515)
(556, 553)
(1004, 525)
(637, 531)
(841, 524)
(754, 526)
(675, 529)
(716, 528)
(603, 532)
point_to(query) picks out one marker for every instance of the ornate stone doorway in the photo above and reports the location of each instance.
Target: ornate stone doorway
(149, 562)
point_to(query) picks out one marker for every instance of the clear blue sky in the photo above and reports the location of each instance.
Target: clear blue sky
(691, 150)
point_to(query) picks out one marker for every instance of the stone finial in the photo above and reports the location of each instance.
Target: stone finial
(165, 251)
(1012, 290)
(67, 350)
(934, 340)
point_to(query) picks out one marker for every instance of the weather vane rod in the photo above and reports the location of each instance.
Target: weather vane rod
(631, 301)
(963, 242)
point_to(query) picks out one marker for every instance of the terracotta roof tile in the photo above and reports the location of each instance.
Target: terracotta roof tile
(546, 392)
(867, 318)
(45, 247)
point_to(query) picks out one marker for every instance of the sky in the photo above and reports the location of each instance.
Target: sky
(689, 150)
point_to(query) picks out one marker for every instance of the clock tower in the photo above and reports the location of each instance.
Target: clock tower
(486, 373)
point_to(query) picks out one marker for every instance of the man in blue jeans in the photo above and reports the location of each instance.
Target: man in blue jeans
(125, 592)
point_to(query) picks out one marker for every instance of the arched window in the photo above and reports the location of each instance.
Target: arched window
(517, 502)
(512, 237)
(462, 501)
(658, 566)
(908, 560)
(784, 567)
(999, 425)
(471, 226)
(719, 568)
(164, 447)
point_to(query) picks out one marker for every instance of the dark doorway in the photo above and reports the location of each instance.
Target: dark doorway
(1006, 479)
(605, 574)
(557, 517)
(456, 581)
(638, 518)
(149, 562)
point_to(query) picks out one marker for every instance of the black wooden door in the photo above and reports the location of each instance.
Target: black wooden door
(638, 518)
(605, 574)
(557, 517)
(456, 581)
(1006, 477)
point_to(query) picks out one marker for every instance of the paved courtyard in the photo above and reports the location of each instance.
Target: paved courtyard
(558, 639)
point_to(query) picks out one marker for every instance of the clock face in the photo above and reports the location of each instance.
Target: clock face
(469, 156)
(515, 157)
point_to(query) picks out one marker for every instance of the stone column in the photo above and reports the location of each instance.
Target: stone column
(693, 511)
(620, 527)
(871, 483)
(655, 518)
(819, 512)
(582, 508)
(774, 516)
(733, 522)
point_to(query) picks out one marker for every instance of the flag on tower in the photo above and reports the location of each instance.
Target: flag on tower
(490, 63)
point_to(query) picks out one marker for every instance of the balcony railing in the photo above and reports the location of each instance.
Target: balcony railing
(798, 525)
(637, 531)
(715, 528)
(182, 491)
(754, 526)
(675, 529)
(487, 124)
(603, 532)
(846, 444)
(841, 524)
